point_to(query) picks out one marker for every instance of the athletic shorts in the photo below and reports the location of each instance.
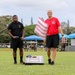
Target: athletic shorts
(16, 43)
(52, 41)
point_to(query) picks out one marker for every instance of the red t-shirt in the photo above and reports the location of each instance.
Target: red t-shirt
(53, 25)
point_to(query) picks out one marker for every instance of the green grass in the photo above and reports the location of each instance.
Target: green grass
(64, 64)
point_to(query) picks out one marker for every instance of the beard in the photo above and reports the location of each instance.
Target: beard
(15, 21)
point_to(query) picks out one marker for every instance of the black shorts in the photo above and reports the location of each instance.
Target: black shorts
(52, 41)
(16, 43)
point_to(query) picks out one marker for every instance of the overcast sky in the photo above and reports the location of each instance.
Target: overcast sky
(62, 9)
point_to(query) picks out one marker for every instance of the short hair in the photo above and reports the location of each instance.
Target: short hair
(14, 15)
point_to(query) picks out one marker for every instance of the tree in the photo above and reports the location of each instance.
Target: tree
(4, 21)
(4, 38)
(29, 30)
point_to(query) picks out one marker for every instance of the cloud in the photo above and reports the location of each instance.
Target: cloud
(63, 9)
(34, 3)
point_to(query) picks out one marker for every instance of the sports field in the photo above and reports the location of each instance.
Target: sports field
(64, 64)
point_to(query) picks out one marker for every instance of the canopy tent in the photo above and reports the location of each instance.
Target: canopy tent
(33, 38)
(72, 46)
(65, 35)
(71, 36)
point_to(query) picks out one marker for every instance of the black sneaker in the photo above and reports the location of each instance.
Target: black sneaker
(15, 62)
(52, 63)
(49, 61)
(21, 62)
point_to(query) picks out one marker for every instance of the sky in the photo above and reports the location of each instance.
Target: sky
(25, 9)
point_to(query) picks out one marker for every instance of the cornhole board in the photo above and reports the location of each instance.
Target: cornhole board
(34, 60)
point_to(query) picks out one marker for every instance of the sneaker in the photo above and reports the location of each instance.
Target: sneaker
(15, 62)
(52, 63)
(49, 61)
(21, 62)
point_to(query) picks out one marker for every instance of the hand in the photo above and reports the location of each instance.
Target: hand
(63, 39)
(44, 40)
(22, 38)
(13, 37)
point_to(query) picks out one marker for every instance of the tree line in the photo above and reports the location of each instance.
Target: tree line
(29, 30)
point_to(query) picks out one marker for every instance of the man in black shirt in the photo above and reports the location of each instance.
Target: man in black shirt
(16, 32)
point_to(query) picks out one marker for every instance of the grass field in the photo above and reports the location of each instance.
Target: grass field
(64, 64)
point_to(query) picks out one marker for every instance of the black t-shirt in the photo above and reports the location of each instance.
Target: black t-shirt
(16, 28)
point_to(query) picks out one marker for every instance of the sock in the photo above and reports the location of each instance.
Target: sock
(21, 58)
(49, 59)
(14, 59)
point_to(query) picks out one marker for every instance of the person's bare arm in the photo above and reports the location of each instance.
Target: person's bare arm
(9, 32)
(60, 30)
(22, 34)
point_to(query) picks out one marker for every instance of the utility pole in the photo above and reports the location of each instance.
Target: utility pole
(22, 21)
(68, 25)
(31, 20)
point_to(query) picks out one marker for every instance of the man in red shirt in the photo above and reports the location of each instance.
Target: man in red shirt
(52, 40)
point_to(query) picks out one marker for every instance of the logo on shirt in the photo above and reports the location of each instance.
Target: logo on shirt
(53, 22)
(19, 26)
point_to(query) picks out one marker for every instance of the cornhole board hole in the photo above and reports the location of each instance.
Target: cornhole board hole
(34, 60)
